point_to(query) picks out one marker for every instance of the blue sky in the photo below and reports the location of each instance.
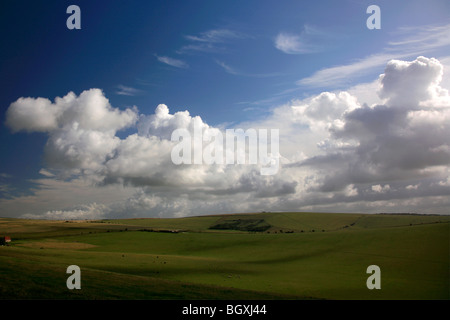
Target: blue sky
(229, 62)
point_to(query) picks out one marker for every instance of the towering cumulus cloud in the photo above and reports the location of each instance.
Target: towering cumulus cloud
(404, 141)
(408, 136)
(82, 130)
(338, 152)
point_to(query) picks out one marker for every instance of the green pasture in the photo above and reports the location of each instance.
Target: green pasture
(301, 256)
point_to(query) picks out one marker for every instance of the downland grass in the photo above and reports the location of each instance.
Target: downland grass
(237, 256)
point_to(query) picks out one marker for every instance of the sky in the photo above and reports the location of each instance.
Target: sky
(87, 115)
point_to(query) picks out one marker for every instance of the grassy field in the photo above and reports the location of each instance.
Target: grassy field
(240, 256)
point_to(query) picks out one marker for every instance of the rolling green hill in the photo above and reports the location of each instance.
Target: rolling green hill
(237, 256)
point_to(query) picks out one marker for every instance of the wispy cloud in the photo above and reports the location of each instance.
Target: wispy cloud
(210, 41)
(289, 43)
(46, 173)
(234, 71)
(127, 91)
(414, 41)
(172, 62)
(227, 68)
(424, 37)
(214, 36)
(309, 40)
(261, 102)
(340, 74)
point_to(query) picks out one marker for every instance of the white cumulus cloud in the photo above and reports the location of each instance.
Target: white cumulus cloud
(338, 152)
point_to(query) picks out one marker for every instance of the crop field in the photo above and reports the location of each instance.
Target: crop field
(240, 256)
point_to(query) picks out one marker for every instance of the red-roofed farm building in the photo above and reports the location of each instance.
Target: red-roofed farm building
(5, 240)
